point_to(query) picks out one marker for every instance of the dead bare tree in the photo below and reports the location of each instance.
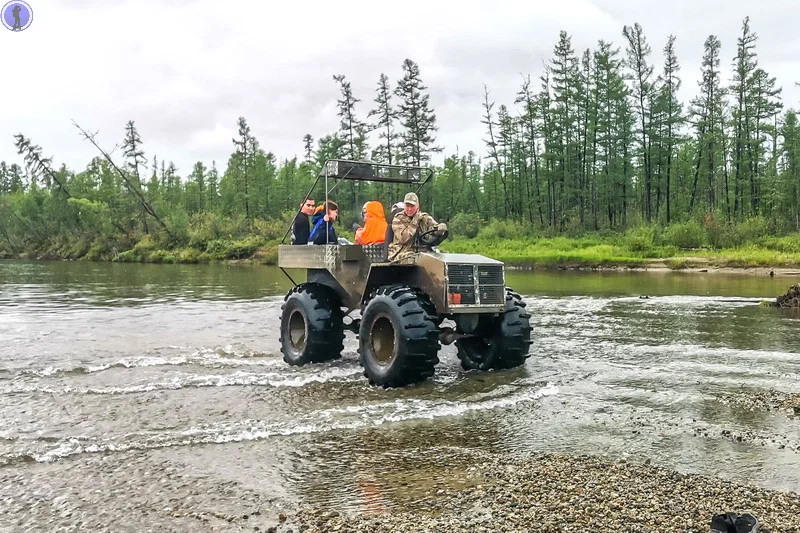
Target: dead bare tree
(131, 187)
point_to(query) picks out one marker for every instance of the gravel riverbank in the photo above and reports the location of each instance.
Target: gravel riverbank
(556, 493)
(766, 400)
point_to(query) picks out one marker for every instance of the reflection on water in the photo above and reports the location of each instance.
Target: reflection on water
(166, 381)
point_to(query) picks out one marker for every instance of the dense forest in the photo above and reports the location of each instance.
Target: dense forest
(599, 142)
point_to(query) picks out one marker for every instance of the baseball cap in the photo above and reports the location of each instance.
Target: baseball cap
(411, 198)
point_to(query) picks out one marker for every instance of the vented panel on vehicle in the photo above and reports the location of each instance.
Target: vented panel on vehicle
(490, 274)
(460, 275)
(492, 294)
(466, 292)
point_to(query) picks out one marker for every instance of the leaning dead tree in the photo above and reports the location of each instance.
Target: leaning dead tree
(36, 163)
(130, 186)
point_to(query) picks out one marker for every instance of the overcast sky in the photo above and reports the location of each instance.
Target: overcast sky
(184, 70)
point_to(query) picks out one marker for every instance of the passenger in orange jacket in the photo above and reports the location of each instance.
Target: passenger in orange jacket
(374, 230)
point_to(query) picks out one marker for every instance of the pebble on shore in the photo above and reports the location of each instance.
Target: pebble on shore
(559, 493)
(769, 400)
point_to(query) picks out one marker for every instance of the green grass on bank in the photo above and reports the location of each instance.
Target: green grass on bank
(593, 252)
(550, 252)
(681, 245)
(207, 239)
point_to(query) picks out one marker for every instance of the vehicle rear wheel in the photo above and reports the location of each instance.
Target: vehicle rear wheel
(501, 342)
(312, 325)
(398, 337)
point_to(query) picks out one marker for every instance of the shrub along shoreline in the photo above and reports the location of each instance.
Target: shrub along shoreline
(687, 245)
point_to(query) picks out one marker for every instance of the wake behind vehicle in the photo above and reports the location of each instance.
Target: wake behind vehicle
(403, 304)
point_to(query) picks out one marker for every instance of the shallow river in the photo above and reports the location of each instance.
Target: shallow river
(130, 393)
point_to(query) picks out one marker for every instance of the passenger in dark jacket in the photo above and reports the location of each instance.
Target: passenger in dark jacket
(300, 228)
(320, 220)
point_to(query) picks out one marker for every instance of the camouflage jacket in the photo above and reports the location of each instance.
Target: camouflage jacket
(405, 230)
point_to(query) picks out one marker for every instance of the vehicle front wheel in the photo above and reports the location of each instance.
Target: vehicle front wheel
(500, 342)
(398, 337)
(312, 325)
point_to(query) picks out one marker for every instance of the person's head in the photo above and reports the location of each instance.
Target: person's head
(332, 210)
(364, 211)
(411, 204)
(374, 211)
(307, 208)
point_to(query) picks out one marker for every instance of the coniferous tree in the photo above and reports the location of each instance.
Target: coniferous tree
(564, 71)
(790, 169)
(352, 131)
(766, 105)
(134, 155)
(244, 159)
(36, 163)
(744, 66)
(550, 154)
(212, 189)
(195, 189)
(492, 146)
(707, 114)
(641, 73)
(16, 183)
(386, 116)
(531, 133)
(416, 116)
(134, 161)
(308, 147)
(5, 182)
(671, 111)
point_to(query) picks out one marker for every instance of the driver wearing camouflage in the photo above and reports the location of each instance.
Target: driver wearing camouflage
(407, 225)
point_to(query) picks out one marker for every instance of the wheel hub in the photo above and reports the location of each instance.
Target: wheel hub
(382, 337)
(297, 331)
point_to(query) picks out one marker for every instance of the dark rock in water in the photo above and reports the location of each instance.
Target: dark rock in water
(790, 299)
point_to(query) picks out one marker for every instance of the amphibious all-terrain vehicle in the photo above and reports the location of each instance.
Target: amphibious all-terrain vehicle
(403, 304)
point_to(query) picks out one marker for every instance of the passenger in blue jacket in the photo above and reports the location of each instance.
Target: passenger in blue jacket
(319, 220)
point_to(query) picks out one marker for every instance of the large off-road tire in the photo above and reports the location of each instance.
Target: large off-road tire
(398, 337)
(502, 342)
(312, 326)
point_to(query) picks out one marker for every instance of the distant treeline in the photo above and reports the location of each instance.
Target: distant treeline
(600, 142)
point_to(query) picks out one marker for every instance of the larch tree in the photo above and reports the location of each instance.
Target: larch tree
(707, 115)
(417, 140)
(566, 94)
(245, 146)
(385, 117)
(531, 131)
(641, 76)
(352, 132)
(135, 162)
(308, 147)
(672, 115)
(744, 66)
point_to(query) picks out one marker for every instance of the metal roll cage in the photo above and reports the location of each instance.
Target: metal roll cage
(341, 170)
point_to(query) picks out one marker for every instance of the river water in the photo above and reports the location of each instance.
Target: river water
(130, 394)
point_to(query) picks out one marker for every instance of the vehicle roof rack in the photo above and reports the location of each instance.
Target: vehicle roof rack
(345, 169)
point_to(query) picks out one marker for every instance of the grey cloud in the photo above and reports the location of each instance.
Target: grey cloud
(184, 71)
